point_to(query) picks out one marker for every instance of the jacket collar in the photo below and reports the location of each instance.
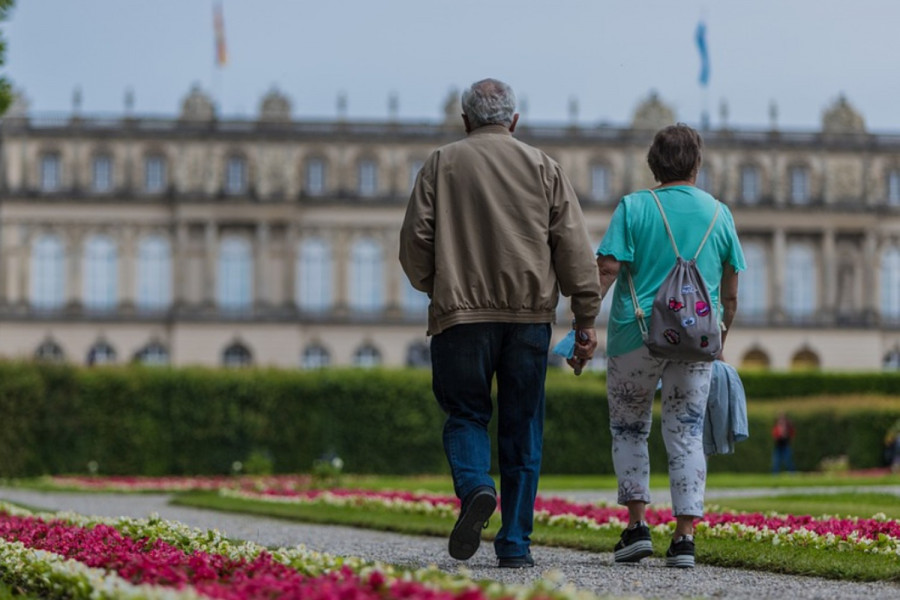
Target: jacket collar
(485, 129)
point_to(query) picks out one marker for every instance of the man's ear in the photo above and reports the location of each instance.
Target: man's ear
(466, 122)
(512, 126)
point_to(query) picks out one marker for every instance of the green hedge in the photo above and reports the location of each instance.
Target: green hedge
(152, 421)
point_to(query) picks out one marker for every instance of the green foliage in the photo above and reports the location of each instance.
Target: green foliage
(157, 421)
(6, 93)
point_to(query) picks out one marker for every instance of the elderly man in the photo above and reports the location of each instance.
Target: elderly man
(493, 232)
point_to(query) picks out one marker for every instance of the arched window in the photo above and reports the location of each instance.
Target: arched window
(101, 353)
(805, 360)
(48, 273)
(49, 351)
(801, 282)
(154, 274)
(418, 354)
(235, 282)
(367, 178)
(750, 184)
(415, 303)
(600, 187)
(798, 179)
(367, 356)
(154, 354)
(102, 172)
(366, 279)
(315, 356)
(51, 172)
(101, 273)
(753, 284)
(154, 174)
(704, 179)
(235, 175)
(237, 355)
(315, 176)
(313, 289)
(755, 359)
(890, 284)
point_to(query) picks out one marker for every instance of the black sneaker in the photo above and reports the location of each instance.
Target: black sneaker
(681, 553)
(516, 562)
(476, 511)
(635, 544)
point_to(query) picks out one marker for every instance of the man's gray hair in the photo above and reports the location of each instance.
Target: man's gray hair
(489, 102)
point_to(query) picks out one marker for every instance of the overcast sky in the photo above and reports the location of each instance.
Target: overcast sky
(608, 54)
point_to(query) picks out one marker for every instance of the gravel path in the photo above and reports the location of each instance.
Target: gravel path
(592, 571)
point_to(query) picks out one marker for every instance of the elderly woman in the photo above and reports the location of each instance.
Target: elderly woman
(637, 243)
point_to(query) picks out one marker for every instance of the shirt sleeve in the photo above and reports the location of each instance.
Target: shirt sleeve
(417, 233)
(617, 242)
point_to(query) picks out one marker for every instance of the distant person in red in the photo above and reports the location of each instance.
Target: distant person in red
(783, 435)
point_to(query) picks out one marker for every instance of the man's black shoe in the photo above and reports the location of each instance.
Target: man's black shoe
(516, 562)
(681, 553)
(474, 515)
(635, 544)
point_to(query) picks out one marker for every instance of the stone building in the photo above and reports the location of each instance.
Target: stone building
(273, 241)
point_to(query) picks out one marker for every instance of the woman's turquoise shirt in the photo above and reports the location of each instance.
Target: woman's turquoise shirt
(637, 238)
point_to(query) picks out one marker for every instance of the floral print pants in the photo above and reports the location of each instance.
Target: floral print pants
(631, 385)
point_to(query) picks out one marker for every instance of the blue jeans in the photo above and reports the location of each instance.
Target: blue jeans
(464, 360)
(783, 459)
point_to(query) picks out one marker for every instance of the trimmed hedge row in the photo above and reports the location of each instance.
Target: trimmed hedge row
(151, 421)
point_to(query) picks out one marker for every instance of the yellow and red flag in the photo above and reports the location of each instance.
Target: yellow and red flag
(219, 25)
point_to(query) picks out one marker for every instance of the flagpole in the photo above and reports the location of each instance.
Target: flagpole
(220, 57)
(703, 48)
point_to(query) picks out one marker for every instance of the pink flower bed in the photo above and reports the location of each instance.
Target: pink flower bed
(156, 562)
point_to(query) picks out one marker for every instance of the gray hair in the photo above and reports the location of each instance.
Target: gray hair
(489, 102)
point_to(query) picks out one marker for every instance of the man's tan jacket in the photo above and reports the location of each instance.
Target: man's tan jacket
(493, 232)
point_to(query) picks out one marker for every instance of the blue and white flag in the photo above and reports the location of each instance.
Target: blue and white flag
(700, 37)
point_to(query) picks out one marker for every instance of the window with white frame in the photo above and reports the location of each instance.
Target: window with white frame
(315, 356)
(154, 174)
(801, 282)
(153, 354)
(799, 185)
(101, 353)
(414, 168)
(415, 303)
(51, 172)
(49, 351)
(366, 279)
(368, 178)
(48, 273)
(367, 356)
(235, 281)
(102, 167)
(101, 274)
(236, 175)
(704, 179)
(750, 188)
(237, 355)
(893, 187)
(753, 291)
(315, 176)
(890, 283)
(599, 183)
(154, 274)
(313, 289)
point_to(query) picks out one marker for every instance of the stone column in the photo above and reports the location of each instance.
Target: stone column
(128, 270)
(779, 255)
(74, 267)
(209, 258)
(291, 237)
(340, 242)
(871, 276)
(179, 265)
(829, 276)
(262, 296)
(393, 273)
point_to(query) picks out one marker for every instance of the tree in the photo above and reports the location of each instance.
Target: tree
(6, 94)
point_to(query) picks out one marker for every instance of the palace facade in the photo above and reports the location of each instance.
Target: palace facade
(273, 241)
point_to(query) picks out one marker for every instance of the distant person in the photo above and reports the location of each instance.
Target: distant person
(493, 233)
(637, 248)
(783, 438)
(892, 447)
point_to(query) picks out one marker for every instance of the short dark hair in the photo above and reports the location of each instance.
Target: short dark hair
(675, 154)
